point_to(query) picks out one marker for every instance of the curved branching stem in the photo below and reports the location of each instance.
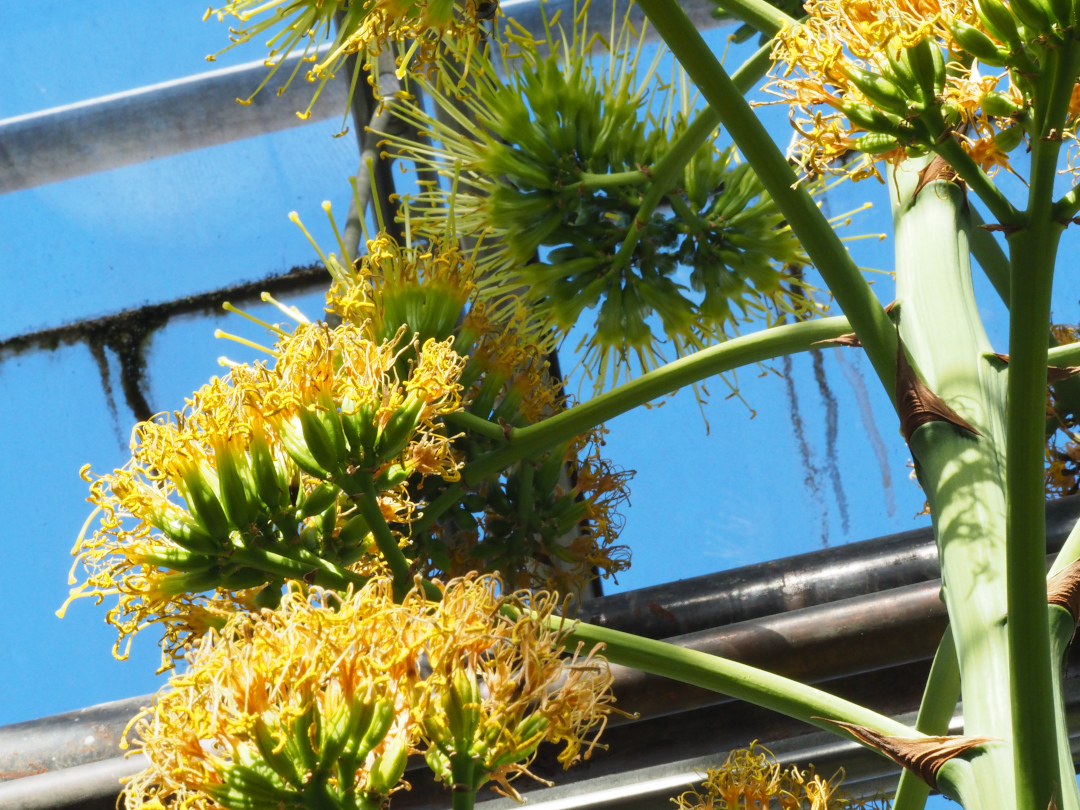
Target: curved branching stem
(731, 678)
(758, 14)
(808, 223)
(731, 354)
(935, 712)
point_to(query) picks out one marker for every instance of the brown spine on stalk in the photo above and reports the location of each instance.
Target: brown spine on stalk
(923, 756)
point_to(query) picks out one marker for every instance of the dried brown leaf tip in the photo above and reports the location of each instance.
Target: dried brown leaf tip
(917, 404)
(850, 339)
(937, 169)
(923, 756)
(1054, 374)
(1063, 589)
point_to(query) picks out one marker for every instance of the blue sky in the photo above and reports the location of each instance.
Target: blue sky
(194, 222)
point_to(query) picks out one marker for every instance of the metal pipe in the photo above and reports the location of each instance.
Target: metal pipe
(201, 110)
(827, 575)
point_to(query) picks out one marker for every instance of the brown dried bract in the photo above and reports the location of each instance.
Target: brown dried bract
(923, 756)
(1063, 589)
(1054, 374)
(937, 169)
(917, 404)
(850, 339)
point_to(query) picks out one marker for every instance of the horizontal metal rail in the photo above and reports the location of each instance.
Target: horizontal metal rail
(866, 629)
(201, 110)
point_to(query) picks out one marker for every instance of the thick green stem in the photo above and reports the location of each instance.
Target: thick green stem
(961, 473)
(731, 354)
(1034, 251)
(477, 424)
(990, 256)
(730, 678)
(368, 504)
(978, 181)
(758, 14)
(807, 222)
(935, 712)
(463, 772)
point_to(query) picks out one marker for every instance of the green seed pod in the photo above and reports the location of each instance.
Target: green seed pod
(1009, 139)
(319, 442)
(388, 769)
(999, 21)
(975, 42)
(879, 90)
(392, 476)
(999, 105)
(319, 499)
(900, 71)
(1033, 14)
(872, 119)
(203, 503)
(923, 66)
(354, 531)
(266, 744)
(951, 114)
(876, 144)
(191, 583)
(292, 439)
(438, 762)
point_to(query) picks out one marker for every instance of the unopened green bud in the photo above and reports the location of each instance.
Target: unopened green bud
(462, 706)
(264, 472)
(184, 530)
(203, 503)
(871, 119)
(923, 65)
(1009, 139)
(392, 476)
(319, 442)
(439, 763)
(1034, 14)
(236, 485)
(399, 428)
(388, 769)
(175, 559)
(975, 42)
(879, 90)
(547, 475)
(876, 144)
(292, 439)
(999, 105)
(382, 717)
(998, 20)
(354, 531)
(319, 499)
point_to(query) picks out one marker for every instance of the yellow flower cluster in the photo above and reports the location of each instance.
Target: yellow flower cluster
(325, 697)
(259, 480)
(892, 78)
(350, 28)
(751, 777)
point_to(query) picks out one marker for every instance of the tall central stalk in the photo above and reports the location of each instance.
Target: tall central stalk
(963, 474)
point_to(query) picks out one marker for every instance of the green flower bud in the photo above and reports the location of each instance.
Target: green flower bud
(871, 119)
(976, 43)
(879, 90)
(319, 499)
(1034, 14)
(388, 769)
(319, 441)
(399, 428)
(1009, 139)
(184, 530)
(876, 144)
(998, 20)
(271, 489)
(292, 439)
(999, 105)
(392, 476)
(462, 706)
(203, 502)
(354, 531)
(237, 487)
